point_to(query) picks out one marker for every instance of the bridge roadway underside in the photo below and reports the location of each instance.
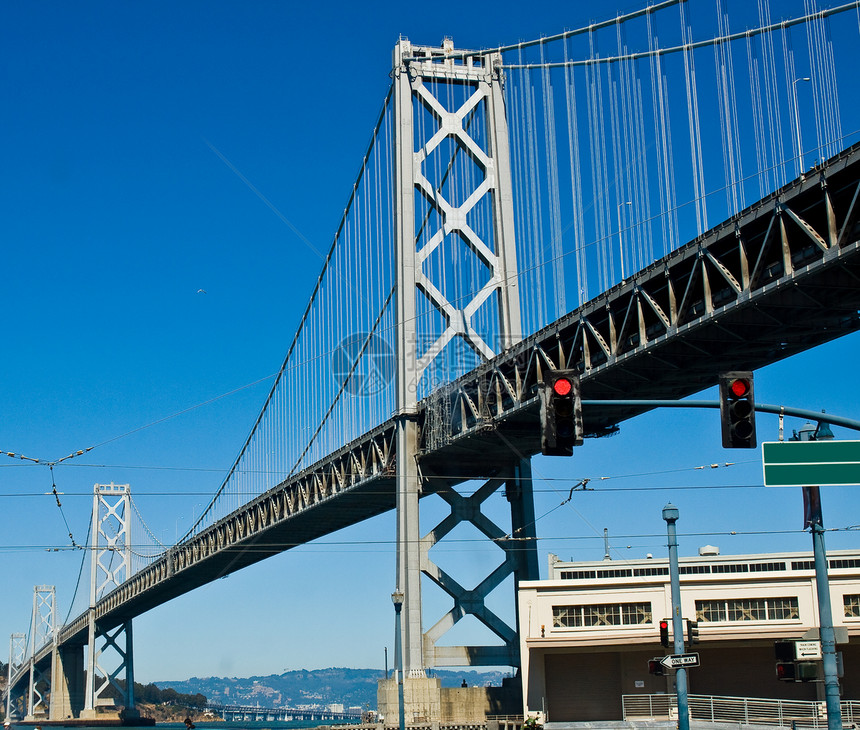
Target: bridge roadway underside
(808, 312)
(779, 278)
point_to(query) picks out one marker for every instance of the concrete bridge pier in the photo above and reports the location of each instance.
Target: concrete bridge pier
(67, 685)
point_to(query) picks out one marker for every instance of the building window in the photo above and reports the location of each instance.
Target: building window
(577, 574)
(730, 568)
(845, 563)
(852, 606)
(611, 614)
(710, 611)
(644, 572)
(694, 569)
(615, 573)
(748, 609)
(782, 609)
(762, 567)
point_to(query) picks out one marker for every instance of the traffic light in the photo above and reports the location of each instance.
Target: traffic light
(788, 669)
(655, 666)
(806, 671)
(664, 632)
(560, 413)
(737, 410)
(692, 632)
(783, 651)
(797, 671)
(785, 671)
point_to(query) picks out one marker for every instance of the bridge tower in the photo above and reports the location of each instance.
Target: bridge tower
(432, 212)
(43, 627)
(110, 646)
(17, 656)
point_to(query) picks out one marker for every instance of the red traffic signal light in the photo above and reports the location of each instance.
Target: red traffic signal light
(664, 632)
(562, 386)
(737, 410)
(560, 413)
(739, 387)
(785, 671)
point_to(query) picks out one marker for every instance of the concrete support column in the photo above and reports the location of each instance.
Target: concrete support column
(89, 710)
(67, 682)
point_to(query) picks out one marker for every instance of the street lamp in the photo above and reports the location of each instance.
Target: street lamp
(397, 600)
(620, 241)
(797, 123)
(670, 515)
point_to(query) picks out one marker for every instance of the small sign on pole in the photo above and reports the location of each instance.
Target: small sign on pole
(807, 650)
(673, 661)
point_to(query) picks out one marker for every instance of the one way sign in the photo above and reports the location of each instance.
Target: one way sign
(673, 661)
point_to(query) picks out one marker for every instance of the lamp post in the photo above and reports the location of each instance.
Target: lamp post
(814, 520)
(670, 515)
(797, 123)
(397, 600)
(620, 240)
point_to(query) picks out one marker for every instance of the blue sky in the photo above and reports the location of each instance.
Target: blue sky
(116, 209)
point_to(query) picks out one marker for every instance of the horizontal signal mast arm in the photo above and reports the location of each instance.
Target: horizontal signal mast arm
(760, 407)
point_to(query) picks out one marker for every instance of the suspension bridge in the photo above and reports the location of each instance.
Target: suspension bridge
(649, 200)
(252, 713)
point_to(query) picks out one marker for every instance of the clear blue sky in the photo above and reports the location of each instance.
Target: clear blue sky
(115, 212)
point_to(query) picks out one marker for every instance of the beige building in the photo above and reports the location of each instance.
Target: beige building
(588, 632)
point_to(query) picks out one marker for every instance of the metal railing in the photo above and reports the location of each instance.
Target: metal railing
(742, 710)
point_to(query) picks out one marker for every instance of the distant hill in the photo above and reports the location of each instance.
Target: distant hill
(319, 687)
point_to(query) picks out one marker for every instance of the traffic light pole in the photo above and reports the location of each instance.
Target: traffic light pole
(670, 514)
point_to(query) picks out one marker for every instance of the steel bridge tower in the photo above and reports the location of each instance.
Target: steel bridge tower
(110, 649)
(17, 657)
(43, 627)
(423, 78)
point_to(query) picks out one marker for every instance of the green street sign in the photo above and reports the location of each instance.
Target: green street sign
(810, 463)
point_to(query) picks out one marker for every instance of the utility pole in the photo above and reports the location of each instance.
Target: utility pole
(670, 514)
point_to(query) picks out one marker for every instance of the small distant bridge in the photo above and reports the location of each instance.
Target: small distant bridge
(251, 713)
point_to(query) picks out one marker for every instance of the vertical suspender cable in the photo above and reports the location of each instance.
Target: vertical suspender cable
(693, 123)
(576, 181)
(557, 258)
(791, 93)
